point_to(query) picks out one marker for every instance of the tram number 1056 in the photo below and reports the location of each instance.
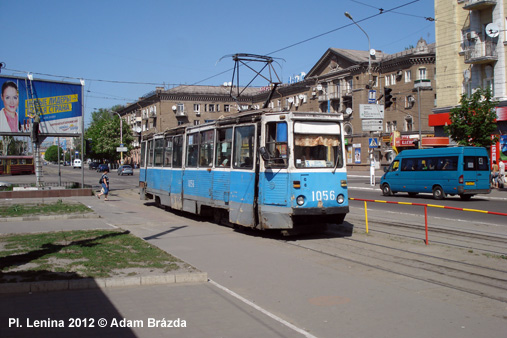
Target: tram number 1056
(323, 195)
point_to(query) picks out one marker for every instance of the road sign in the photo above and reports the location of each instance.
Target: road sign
(371, 111)
(372, 125)
(372, 96)
(121, 149)
(373, 142)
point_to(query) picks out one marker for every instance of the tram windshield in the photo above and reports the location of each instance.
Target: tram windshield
(317, 145)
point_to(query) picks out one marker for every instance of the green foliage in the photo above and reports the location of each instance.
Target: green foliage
(473, 121)
(51, 154)
(104, 131)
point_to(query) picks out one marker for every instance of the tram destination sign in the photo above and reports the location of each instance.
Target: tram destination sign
(372, 125)
(371, 111)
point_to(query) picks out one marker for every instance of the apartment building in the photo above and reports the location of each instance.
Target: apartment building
(342, 80)
(471, 39)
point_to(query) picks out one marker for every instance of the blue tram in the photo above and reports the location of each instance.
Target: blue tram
(258, 169)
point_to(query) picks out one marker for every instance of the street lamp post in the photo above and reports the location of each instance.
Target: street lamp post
(347, 14)
(370, 150)
(121, 137)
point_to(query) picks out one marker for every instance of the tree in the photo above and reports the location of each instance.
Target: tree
(51, 153)
(473, 121)
(104, 131)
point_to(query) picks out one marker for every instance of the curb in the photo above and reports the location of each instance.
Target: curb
(102, 283)
(49, 217)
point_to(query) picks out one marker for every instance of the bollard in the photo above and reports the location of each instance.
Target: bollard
(366, 216)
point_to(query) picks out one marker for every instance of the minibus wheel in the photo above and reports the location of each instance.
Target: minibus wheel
(386, 190)
(438, 193)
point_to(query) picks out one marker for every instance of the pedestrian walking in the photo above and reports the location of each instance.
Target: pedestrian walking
(104, 181)
(494, 174)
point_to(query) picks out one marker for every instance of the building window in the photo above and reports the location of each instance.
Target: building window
(409, 123)
(422, 73)
(180, 108)
(393, 79)
(227, 108)
(197, 122)
(211, 108)
(408, 76)
(388, 82)
(375, 83)
(197, 107)
(218, 107)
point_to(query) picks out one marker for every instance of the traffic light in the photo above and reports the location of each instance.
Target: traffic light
(388, 97)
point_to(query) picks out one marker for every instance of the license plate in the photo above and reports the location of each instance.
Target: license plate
(470, 183)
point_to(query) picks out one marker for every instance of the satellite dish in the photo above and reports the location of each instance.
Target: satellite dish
(301, 96)
(138, 129)
(466, 75)
(319, 87)
(290, 99)
(492, 30)
(348, 111)
(174, 107)
(372, 52)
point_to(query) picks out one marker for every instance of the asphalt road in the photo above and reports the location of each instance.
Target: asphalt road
(386, 283)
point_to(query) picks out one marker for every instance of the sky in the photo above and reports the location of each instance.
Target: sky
(124, 49)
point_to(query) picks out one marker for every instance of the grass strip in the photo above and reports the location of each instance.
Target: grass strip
(30, 209)
(80, 254)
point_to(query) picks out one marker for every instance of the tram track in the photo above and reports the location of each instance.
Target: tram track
(448, 266)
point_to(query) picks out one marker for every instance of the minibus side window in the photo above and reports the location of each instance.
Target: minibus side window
(482, 163)
(395, 166)
(469, 162)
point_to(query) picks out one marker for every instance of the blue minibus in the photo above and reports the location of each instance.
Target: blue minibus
(462, 171)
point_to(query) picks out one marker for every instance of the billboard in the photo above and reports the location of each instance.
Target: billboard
(59, 105)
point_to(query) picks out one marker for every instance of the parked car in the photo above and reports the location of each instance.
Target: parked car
(102, 167)
(125, 170)
(76, 164)
(93, 165)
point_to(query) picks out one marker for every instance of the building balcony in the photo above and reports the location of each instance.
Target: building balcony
(473, 5)
(333, 96)
(322, 98)
(481, 52)
(422, 83)
(181, 113)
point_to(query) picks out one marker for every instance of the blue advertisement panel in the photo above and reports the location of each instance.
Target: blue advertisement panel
(59, 105)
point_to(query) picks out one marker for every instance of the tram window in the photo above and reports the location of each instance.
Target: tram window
(143, 152)
(14, 161)
(244, 147)
(322, 150)
(192, 149)
(159, 152)
(224, 147)
(276, 144)
(168, 151)
(150, 153)
(206, 148)
(177, 151)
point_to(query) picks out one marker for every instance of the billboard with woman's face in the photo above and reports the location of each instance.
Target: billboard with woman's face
(59, 105)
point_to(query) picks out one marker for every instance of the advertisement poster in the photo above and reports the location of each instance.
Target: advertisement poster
(357, 155)
(503, 147)
(59, 105)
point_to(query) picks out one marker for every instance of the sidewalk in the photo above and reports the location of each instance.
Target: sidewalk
(199, 309)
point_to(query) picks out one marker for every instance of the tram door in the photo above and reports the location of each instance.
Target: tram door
(242, 183)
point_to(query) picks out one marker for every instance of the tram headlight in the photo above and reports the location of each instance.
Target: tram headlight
(340, 199)
(300, 200)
